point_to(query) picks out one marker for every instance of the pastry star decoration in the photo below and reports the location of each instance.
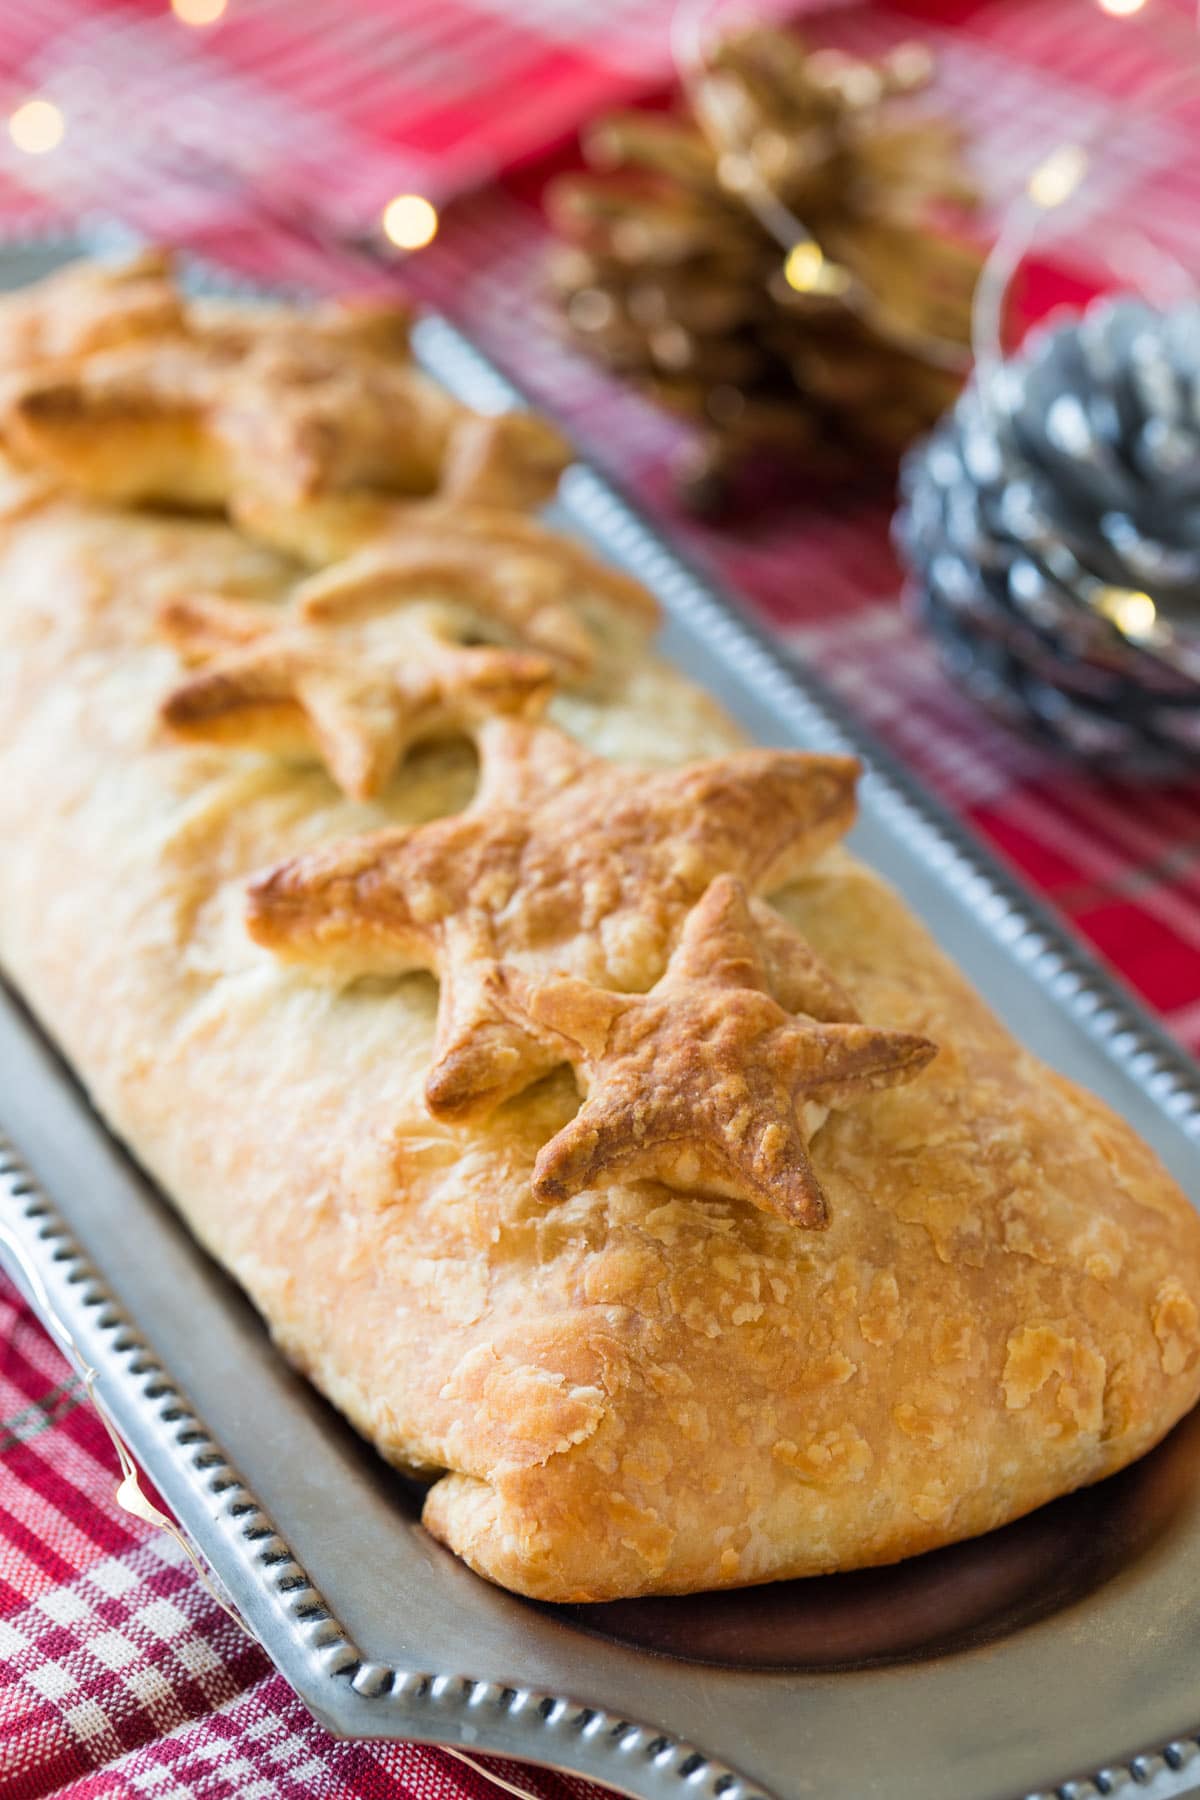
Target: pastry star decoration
(86, 307)
(234, 405)
(360, 692)
(366, 660)
(708, 1083)
(500, 566)
(563, 863)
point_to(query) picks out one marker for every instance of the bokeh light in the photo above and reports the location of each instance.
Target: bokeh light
(199, 12)
(36, 126)
(1055, 180)
(809, 271)
(410, 221)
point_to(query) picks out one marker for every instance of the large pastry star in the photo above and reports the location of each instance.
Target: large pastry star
(563, 863)
(233, 406)
(707, 1083)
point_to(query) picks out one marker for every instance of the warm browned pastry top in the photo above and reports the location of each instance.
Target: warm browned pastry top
(361, 693)
(707, 1083)
(560, 864)
(90, 307)
(423, 635)
(138, 394)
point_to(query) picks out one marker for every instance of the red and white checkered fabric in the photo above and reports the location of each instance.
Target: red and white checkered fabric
(119, 1678)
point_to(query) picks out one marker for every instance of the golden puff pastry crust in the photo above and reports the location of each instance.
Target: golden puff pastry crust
(117, 384)
(708, 1082)
(418, 636)
(617, 1151)
(87, 308)
(559, 863)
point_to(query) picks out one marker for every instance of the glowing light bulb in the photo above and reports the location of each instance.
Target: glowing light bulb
(410, 222)
(36, 127)
(1121, 9)
(808, 270)
(199, 12)
(1055, 179)
(1133, 613)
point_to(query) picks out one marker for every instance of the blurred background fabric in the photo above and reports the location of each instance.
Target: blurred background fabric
(269, 139)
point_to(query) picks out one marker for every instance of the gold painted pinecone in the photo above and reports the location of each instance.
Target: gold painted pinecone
(669, 274)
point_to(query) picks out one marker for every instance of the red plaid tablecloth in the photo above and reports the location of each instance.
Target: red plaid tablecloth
(119, 1677)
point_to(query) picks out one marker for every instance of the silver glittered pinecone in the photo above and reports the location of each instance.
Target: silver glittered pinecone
(1051, 525)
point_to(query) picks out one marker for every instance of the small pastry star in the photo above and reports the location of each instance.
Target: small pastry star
(360, 692)
(564, 862)
(369, 655)
(707, 1083)
(500, 567)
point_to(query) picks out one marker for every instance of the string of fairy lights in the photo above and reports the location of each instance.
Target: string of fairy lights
(1056, 179)
(37, 126)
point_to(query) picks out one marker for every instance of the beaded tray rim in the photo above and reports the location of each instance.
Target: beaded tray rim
(331, 1673)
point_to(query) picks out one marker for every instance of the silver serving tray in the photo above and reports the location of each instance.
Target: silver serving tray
(1066, 1643)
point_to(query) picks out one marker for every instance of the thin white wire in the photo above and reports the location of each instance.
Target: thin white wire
(1024, 218)
(509, 1787)
(129, 1494)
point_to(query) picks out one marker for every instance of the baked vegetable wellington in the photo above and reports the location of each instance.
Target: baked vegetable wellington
(616, 1150)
